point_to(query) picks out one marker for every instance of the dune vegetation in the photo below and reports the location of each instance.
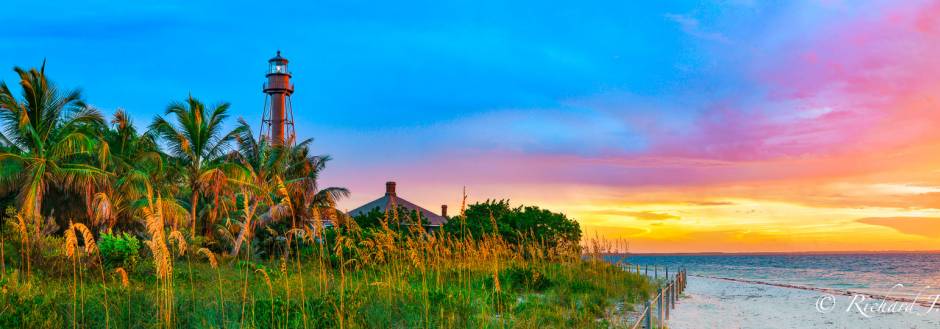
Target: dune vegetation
(187, 225)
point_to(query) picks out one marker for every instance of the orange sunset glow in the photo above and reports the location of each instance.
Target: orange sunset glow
(733, 164)
(690, 127)
(836, 149)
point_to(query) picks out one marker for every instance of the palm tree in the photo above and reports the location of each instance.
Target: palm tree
(301, 178)
(257, 176)
(196, 142)
(49, 141)
(137, 167)
(282, 178)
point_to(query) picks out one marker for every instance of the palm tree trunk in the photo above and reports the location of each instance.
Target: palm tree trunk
(244, 233)
(192, 204)
(237, 246)
(213, 214)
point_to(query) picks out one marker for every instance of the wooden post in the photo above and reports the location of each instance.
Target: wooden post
(646, 270)
(647, 318)
(660, 307)
(668, 300)
(672, 305)
(682, 282)
(655, 272)
(674, 296)
(678, 287)
(679, 280)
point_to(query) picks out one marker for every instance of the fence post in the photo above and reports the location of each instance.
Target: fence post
(681, 283)
(655, 272)
(647, 321)
(660, 308)
(679, 280)
(668, 300)
(672, 296)
(646, 270)
(675, 295)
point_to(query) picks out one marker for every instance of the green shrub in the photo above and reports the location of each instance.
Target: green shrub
(518, 226)
(119, 250)
(524, 278)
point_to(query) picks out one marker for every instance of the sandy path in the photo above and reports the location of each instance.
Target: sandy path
(713, 303)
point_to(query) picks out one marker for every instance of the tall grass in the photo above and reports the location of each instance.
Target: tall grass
(347, 278)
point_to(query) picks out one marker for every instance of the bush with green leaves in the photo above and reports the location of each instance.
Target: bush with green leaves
(520, 278)
(515, 225)
(120, 249)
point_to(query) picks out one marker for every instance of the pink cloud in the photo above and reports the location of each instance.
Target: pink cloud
(856, 97)
(876, 77)
(640, 215)
(880, 72)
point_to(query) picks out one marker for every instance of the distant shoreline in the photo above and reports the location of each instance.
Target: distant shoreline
(779, 253)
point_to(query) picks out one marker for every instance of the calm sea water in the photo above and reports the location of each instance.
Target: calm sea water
(868, 273)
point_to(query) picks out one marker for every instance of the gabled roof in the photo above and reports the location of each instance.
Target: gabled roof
(383, 203)
(390, 198)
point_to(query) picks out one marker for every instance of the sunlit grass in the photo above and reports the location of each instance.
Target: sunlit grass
(379, 279)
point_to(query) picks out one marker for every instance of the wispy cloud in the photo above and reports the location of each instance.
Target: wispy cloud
(691, 26)
(711, 203)
(774, 109)
(641, 215)
(923, 226)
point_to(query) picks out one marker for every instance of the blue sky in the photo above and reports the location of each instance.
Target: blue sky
(390, 89)
(724, 125)
(366, 65)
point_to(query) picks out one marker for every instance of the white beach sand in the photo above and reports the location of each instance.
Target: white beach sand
(715, 303)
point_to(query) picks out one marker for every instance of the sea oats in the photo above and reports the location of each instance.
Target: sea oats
(21, 227)
(181, 245)
(89, 239)
(211, 256)
(267, 279)
(123, 274)
(71, 242)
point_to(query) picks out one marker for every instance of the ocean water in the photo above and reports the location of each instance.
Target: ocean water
(876, 274)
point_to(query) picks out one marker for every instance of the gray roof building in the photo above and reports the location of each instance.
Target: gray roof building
(391, 197)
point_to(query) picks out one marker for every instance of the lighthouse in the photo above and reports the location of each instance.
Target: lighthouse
(277, 123)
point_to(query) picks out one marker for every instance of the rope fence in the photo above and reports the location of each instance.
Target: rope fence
(656, 310)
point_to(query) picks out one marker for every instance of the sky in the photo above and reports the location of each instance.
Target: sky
(673, 126)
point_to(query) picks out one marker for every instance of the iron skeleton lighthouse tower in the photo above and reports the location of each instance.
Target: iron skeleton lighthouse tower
(277, 121)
